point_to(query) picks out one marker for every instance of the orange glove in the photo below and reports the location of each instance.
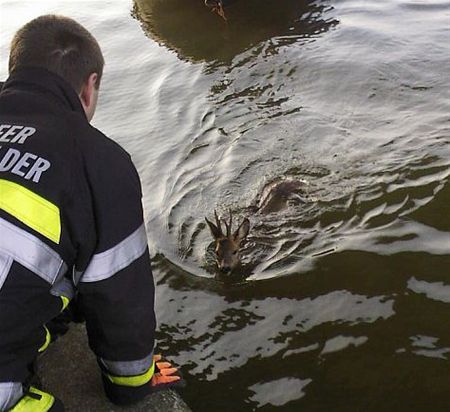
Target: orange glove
(165, 375)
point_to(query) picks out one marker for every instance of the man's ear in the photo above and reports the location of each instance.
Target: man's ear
(88, 95)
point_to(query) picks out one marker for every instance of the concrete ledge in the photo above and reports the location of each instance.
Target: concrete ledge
(69, 371)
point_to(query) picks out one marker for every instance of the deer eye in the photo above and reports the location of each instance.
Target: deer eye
(235, 252)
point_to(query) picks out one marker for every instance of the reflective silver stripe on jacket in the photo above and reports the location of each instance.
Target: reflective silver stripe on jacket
(10, 393)
(128, 368)
(5, 264)
(106, 264)
(31, 252)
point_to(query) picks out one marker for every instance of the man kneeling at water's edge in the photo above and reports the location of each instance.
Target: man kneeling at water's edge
(71, 224)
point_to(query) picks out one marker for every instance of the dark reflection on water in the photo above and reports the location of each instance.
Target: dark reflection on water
(187, 26)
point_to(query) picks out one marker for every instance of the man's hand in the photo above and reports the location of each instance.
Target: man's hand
(165, 375)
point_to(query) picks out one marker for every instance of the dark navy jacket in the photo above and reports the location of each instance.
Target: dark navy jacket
(71, 222)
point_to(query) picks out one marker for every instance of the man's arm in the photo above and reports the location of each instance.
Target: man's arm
(120, 323)
(116, 289)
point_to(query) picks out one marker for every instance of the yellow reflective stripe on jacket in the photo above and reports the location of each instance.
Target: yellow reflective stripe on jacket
(65, 302)
(134, 381)
(31, 209)
(48, 339)
(30, 404)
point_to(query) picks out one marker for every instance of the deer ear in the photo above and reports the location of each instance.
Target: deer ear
(215, 231)
(242, 231)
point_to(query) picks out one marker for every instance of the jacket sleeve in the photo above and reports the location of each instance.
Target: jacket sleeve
(116, 288)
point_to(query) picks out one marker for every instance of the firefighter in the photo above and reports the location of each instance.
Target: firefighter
(71, 223)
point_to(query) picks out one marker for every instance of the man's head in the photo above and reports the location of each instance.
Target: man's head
(62, 46)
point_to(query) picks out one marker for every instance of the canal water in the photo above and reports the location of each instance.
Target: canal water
(343, 299)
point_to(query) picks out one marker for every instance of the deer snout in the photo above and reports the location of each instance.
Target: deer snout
(227, 258)
(225, 268)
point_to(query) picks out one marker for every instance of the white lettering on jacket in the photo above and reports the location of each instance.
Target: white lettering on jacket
(27, 165)
(14, 133)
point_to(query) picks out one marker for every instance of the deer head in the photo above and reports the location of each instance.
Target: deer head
(227, 246)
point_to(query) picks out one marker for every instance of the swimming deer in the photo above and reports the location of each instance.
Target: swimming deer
(227, 245)
(274, 198)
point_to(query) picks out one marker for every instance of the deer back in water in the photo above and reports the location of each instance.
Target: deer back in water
(276, 195)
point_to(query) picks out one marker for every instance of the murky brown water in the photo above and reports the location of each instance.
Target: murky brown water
(343, 302)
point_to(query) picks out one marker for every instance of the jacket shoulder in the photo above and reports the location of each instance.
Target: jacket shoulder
(105, 161)
(95, 143)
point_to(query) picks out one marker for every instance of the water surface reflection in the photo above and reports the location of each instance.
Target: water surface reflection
(190, 29)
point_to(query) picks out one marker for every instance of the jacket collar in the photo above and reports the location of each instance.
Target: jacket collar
(43, 81)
